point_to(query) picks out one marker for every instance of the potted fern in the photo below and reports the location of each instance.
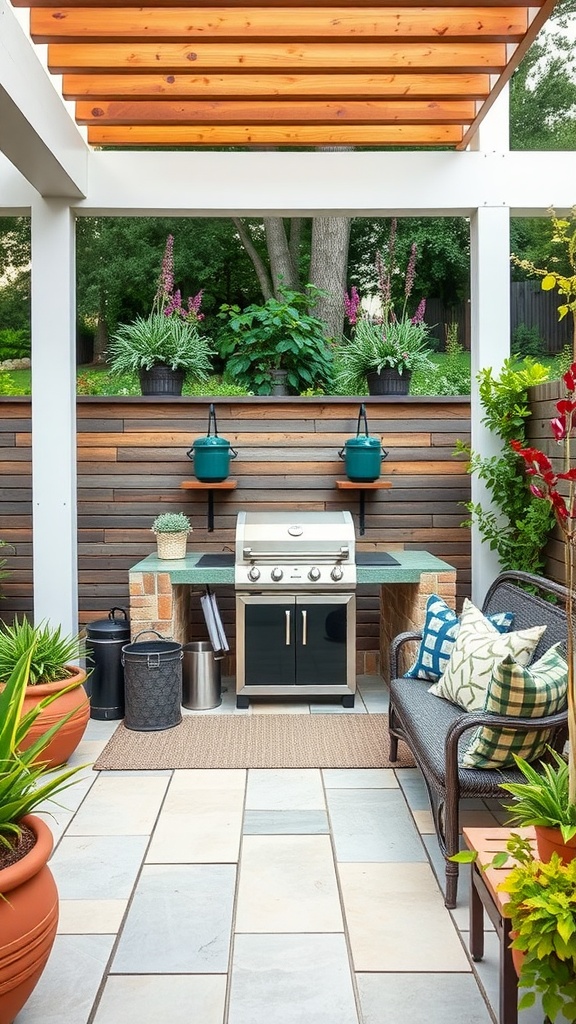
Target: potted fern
(166, 346)
(171, 529)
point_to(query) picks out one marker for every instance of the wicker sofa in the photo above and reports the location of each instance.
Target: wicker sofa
(435, 729)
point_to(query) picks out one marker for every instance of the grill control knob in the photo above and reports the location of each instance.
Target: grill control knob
(276, 574)
(254, 573)
(337, 573)
(314, 574)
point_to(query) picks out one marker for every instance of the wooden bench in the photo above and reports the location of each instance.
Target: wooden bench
(435, 729)
(485, 895)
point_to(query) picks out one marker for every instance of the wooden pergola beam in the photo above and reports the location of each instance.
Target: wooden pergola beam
(276, 135)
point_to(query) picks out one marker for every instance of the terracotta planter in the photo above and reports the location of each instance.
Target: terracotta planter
(549, 841)
(66, 740)
(28, 921)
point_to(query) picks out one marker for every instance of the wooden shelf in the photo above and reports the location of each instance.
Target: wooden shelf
(210, 487)
(357, 485)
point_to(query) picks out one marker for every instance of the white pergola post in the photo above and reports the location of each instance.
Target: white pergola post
(490, 345)
(490, 321)
(54, 414)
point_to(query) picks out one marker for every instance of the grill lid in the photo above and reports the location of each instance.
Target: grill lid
(298, 535)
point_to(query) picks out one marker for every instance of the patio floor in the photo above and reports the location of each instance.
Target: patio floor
(258, 897)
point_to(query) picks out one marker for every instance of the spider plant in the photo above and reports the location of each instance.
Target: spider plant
(50, 651)
(543, 799)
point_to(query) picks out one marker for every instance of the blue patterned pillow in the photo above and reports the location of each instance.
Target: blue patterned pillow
(438, 635)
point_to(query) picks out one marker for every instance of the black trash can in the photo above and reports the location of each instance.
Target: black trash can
(104, 641)
(152, 683)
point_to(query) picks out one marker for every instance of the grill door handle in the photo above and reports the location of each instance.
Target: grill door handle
(304, 628)
(287, 640)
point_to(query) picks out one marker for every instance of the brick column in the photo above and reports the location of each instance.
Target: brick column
(403, 609)
(156, 604)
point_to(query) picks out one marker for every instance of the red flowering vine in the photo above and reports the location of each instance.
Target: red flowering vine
(539, 468)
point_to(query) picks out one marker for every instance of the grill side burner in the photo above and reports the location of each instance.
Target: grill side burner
(295, 577)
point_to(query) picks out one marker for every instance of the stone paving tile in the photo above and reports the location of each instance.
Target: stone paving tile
(285, 823)
(372, 825)
(140, 999)
(291, 979)
(488, 969)
(179, 921)
(120, 806)
(68, 987)
(421, 999)
(91, 917)
(284, 789)
(91, 867)
(201, 819)
(397, 920)
(287, 884)
(359, 778)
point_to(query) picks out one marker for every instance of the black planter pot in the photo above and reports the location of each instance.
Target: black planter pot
(161, 380)
(279, 385)
(388, 382)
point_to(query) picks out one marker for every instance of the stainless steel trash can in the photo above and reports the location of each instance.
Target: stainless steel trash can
(201, 681)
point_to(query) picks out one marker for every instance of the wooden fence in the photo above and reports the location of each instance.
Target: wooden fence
(132, 461)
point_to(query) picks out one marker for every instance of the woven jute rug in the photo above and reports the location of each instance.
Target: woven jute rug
(257, 741)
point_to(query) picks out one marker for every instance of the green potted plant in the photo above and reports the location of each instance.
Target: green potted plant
(278, 347)
(28, 894)
(543, 802)
(171, 529)
(166, 346)
(386, 347)
(542, 912)
(52, 674)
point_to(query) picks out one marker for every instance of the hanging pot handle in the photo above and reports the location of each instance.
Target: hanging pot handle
(116, 608)
(212, 420)
(233, 452)
(383, 454)
(341, 453)
(155, 631)
(362, 413)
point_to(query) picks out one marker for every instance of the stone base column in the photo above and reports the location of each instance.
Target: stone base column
(403, 609)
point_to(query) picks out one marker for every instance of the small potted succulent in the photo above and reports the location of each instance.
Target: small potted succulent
(171, 529)
(28, 894)
(53, 673)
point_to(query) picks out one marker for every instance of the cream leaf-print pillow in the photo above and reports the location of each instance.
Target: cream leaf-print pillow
(477, 649)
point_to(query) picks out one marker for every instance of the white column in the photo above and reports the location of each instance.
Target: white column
(54, 415)
(490, 345)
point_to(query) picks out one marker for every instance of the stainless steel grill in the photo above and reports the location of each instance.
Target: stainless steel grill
(295, 551)
(295, 578)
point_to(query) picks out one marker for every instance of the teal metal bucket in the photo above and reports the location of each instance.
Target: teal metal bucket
(211, 454)
(363, 455)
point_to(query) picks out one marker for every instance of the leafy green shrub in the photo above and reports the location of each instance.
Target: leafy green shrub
(527, 341)
(216, 386)
(8, 385)
(519, 525)
(14, 344)
(280, 334)
(94, 382)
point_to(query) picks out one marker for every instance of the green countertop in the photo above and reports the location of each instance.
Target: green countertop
(185, 570)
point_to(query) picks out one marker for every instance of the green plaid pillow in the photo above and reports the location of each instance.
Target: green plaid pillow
(518, 691)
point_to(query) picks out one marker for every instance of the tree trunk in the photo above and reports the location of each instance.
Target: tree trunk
(282, 268)
(258, 264)
(328, 269)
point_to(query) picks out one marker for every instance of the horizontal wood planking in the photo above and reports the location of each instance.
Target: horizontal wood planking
(132, 460)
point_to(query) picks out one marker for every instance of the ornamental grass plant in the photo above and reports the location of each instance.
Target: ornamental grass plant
(51, 651)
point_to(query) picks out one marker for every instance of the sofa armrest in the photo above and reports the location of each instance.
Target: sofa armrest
(395, 649)
(472, 719)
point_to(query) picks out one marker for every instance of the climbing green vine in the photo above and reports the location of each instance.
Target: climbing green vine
(518, 524)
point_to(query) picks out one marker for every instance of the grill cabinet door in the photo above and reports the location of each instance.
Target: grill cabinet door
(269, 644)
(323, 640)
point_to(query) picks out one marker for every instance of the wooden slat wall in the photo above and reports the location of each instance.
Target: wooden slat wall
(132, 460)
